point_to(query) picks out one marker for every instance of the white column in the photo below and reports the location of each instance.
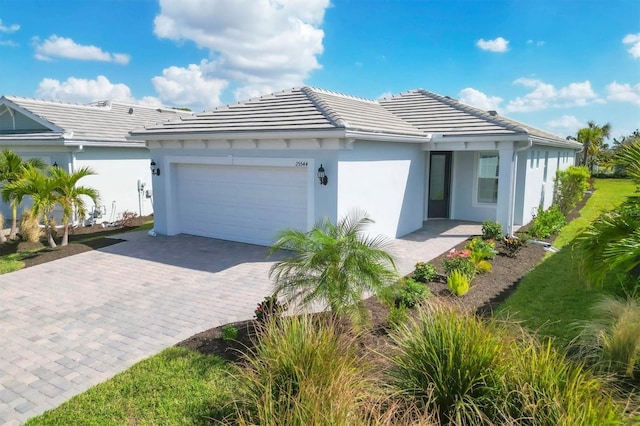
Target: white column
(506, 180)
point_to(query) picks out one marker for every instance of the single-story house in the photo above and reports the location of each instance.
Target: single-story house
(244, 171)
(94, 135)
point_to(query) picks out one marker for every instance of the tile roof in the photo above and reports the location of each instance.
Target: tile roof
(298, 109)
(416, 113)
(108, 121)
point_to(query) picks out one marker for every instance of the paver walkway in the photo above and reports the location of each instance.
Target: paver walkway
(75, 322)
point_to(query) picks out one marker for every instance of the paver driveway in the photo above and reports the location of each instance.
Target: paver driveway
(70, 324)
(75, 322)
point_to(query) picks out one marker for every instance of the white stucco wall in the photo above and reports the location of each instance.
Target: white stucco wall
(387, 180)
(324, 197)
(464, 187)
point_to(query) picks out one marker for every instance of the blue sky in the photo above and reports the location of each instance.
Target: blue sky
(551, 63)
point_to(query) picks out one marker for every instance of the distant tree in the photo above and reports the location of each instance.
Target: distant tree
(12, 168)
(626, 140)
(70, 196)
(592, 138)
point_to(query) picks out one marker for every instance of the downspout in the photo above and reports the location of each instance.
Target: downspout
(514, 178)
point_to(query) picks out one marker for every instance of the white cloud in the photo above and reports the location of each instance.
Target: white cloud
(255, 43)
(496, 45)
(479, 100)
(9, 43)
(634, 41)
(545, 96)
(84, 91)
(538, 43)
(623, 92)
(63, 47)
(565, 125)
(8, 28)
(189, 87)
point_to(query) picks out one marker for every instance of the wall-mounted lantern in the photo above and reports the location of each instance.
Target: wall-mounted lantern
(155, 170)
(321, 176)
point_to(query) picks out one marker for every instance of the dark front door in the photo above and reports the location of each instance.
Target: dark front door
(439, 184)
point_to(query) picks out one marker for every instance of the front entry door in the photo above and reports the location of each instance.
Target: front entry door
(439, 184)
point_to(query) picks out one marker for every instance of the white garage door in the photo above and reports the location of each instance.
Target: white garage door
(240, 203)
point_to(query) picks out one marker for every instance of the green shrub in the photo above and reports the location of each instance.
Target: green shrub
(569, 187)
(229, 332)
(485, 248)
(459, 260)
(269, 308)
(611, 340)
(492, 230)
(424, 272)
(458, 282)
(405, 292)
(398, 316)
(547, 222)
(449, 364)
(303, 371)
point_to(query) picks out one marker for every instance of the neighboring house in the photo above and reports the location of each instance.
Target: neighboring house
(95, 135)
(242, 172)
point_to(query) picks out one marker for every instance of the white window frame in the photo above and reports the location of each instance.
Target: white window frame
(477, 177)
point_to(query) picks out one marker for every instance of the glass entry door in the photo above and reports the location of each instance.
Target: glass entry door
(439, 184)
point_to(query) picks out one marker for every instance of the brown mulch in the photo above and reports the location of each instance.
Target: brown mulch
(488, 291)
(100, 238)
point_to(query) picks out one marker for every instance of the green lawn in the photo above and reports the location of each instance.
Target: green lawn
(552, 298)
(175, 387)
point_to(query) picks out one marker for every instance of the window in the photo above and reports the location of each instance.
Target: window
(488, 169)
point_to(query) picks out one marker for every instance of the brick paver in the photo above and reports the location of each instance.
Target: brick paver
(75, 322)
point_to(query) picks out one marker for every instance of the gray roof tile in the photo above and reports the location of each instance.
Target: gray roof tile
(102, 121)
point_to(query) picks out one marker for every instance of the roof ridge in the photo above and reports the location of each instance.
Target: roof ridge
(480, 113)
(341, 94)
(48, 101)
(324, 108)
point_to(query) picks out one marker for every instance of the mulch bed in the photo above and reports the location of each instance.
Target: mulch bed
(487, 292)
(99, 240)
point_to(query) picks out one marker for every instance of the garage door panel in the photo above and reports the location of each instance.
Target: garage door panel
(248, 204)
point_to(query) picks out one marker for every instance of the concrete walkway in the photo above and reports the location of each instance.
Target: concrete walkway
(70, 324)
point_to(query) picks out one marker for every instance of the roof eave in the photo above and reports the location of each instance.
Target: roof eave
(277, 134)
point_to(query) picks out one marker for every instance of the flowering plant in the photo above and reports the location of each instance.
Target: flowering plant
(459, 260)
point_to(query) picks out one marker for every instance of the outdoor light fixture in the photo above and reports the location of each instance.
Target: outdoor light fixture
(55, 164)
(321, 176)
(155, 170)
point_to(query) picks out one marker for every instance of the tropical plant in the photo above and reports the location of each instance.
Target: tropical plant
(303, 371)
(592, 137)
(12, 168)
(547, 222)
(512, 245)
(610, 248)
(611, 340)
(333, 264)
(424, 272)
(629, 157)
(570, 186)
(458, 282)
(270, 309)
(70, 196)
(492, 230)
(459, 260)
(42, 190)
(481, 252)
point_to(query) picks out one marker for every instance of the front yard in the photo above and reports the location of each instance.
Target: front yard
(188, 385)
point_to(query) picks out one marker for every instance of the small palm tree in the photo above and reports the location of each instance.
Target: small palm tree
(334, 265)
(41, 188)
(71, 196)
(11, 169)
(592, 137)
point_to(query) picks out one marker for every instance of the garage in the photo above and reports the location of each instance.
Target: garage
(248, 204)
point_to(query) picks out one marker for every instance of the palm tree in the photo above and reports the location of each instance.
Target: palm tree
(11, 169)
(42, 190)
(70, 196)
(629, 157)
(333, 264)
(592, 138)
